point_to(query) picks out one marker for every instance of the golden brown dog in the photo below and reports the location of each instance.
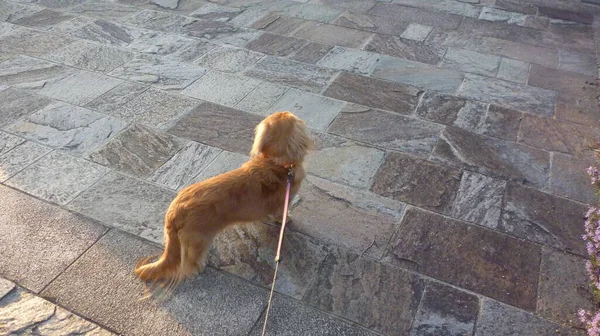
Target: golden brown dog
(250, 193)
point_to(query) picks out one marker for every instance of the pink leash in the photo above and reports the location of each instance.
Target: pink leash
(290, 178)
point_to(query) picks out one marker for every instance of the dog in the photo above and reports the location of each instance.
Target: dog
(255, 191)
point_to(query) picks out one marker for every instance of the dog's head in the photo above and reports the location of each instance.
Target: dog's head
(282, 137)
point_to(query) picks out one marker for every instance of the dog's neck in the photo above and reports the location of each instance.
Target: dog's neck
(278, 161)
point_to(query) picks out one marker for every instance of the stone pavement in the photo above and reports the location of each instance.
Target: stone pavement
(446, 195)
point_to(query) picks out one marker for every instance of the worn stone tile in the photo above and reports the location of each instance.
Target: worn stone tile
(158, 44)
(6, 27)
(58, 4)
(70, 128)
(289, 318)
(225, 161)
(501, 123)
(8, 142)
(497, 319)
(262, 98)
(137, 151)
(25, 313)
(312, 12)
(568, 177)
(516, 6)
(332, 35)
(248, 251)
(31, 42)
(311, 53)
(581, 108)
(317, 111)
(341, 215)
(410, 14)
(90, 56)
(364, 291)
(558, 80)
(417, 182)
(12, 11)
(512, 95)
(446, 109)
(229, 59)
(276, 45)
(203, 305)
(183, 166)
(63, 177)
(519, 51)
(500, 30)
(210, 30)
(419, 74)
(216, 12)
(159, 21)
(80, 88)
(445, 310)
(350, 60)
(374, 93)
(15, 104)
(276, 23)
(491, 156)
(115, 99)
(287, 72)
(68, 27)
(513, 70)
(42, 230)
(447, 6)
(543, 218)
(153, 108)
(164, 74)
(581, 63)
(483, 261)
(387, 130)
(562, 14)
(478, 200)
(6, 287)
(222, 88)
(406, 49)
(416, 32)
(104, 10)
(111, 33)
(558, 136)
(43, 19)
(239, 38)
(357, 6)
(218, 126)
(375, 24)
(564, 288)
(499, 15)
(20, 157)
(471, 61)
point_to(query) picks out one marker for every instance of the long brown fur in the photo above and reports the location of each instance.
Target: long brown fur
(250, 193)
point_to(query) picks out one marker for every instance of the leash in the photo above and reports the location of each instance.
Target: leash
(290, 178)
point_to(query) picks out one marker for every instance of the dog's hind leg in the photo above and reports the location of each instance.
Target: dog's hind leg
(194, 248)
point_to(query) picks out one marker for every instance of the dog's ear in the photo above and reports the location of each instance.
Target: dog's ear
(259, 139)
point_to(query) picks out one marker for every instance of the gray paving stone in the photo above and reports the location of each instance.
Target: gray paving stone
(277, 23)
(5, 287)
(70, 128)
(288, 318)
(543, 218)
(447, 6)
(137, 151)
(445, 310)
(287, 72)
(418, 182)
(511, 95)
(115, 99)
(90, 56)
(80, 88)
(276, 45)
(158, 44)
(26, 313)
(312, 12)
(31, 73)
(229, 59)
(153, 108)
(500, 15)
(164, 74)
(31, 42)
(346, 216)
(471, 61)
(59, 4)
(262, 98)
(185, 165)
(221, 88)
(20, 157)
(569, 179)
(479, 200)
(222, 304)
(311, 53)
(224, 162)
(559, 80)
(447, 109)
(410, 14)
(111, 33)
(43, 19)
(515, 50)
(498, 319)
(562, 14)
(191, 51)
(358, 6)
(42, 230)
(160, 21)
(16, 104)
(516, 6)
(11, 11)
(171, 4)
(250, 16)
(387, 130)
(378, 295)
(468, 256)
(317, 111)
(6, 27)
(332, 35)
(68, 27)
(248, 251)
(406, 49)
(63, 177)
(513, 70)
(419, 74)
(8, 142)
(210, 30)
(581, 63)
(501, 123)
(493, 157)
(375, 24)
(216, 12)
(350, 60)
(416, 32)
(104, 10)
(239, 38)
(218, 126)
